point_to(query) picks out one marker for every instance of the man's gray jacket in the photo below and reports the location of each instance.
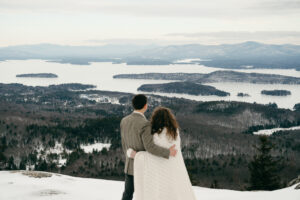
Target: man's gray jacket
(136, 134)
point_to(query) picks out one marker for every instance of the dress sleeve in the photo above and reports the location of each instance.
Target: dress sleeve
(149, 144)
(178, 140)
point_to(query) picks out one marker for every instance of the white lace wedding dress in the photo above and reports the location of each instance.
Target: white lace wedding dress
(157, 178)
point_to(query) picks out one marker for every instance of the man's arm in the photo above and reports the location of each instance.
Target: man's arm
(149, 145)
(123, 146)
(122, 139)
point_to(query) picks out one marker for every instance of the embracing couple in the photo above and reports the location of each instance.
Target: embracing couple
(154, 167)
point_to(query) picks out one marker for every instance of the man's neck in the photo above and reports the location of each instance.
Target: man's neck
(140, 111)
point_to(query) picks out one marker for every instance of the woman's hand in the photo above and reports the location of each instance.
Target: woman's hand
(131, 153)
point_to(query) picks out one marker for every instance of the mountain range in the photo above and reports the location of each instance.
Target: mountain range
(241, 55)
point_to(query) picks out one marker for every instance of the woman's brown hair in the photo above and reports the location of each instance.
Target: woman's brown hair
(163, 117)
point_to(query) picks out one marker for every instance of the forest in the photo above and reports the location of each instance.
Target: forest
(218, 143)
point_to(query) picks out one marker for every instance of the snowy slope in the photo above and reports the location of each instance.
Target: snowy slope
(23, 185)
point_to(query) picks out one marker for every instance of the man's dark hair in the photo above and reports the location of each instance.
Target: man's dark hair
(139, 101)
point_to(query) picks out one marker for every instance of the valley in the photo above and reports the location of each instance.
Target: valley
(217, 139)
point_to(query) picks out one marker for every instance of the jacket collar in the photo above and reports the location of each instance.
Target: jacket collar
(138, 113)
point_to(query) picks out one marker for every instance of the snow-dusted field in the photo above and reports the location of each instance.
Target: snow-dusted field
(58, 149)
(31, 185)
(97, 146)
(273, 130)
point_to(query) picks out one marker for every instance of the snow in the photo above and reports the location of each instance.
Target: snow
(97, 146)
(100, 98)
(189, 60)
(62, 161)
(25, 185)
(57, 149)
(273, 130)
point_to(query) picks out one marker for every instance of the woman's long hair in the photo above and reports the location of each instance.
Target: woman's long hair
(163, 117)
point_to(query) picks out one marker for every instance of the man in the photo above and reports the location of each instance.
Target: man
(136, 134)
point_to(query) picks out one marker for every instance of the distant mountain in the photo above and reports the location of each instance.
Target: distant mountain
(239, 55)
(231, 55)
(69, 54)
(241, 50)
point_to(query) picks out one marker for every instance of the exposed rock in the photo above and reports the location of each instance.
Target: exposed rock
(36, 174)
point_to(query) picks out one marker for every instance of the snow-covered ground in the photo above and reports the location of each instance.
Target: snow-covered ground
(58, 149)
(97, 146)
(273, 130)
(100, 98)
(32, 185)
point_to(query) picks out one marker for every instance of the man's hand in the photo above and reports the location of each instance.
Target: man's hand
(173, 151)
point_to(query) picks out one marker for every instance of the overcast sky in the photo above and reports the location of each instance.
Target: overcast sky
(96, 22)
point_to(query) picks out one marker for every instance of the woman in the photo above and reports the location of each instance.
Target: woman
(157, 178)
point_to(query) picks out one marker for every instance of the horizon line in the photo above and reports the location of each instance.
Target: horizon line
(135, 44)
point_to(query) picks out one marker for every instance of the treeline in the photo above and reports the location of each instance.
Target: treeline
(263, 171)
(89, 132)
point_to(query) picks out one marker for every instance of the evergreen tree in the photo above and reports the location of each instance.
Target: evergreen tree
(42, 165)
(2, 157)
(264, 168)
(214, 184)
(22, 165)
(11, 164)
(297, 107)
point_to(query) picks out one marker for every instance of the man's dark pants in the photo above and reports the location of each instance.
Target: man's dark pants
(129, 187)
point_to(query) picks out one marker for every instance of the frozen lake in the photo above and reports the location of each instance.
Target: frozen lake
(101, 75)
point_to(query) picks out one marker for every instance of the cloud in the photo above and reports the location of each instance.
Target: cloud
(221, 37)
(151, 8)
(148, 21)
(240, 36)
(278, 5)
(138, 41)
(122, 41)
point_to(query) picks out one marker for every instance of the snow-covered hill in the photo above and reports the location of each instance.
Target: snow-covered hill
(31, 185)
